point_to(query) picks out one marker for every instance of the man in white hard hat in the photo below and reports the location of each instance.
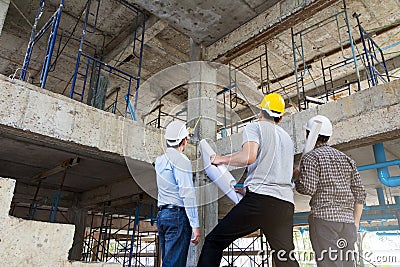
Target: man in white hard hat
(268, 153)
(177, 217)
(331, 178)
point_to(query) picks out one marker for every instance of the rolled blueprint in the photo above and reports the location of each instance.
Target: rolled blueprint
(219, 174)
(310, 141)
(312, 136)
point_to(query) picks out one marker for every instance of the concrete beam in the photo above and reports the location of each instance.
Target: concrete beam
(54, 120)
(153, 27)
(364, 118)
(276, 19)
(4, 4)
(167, 51)
(120, 193)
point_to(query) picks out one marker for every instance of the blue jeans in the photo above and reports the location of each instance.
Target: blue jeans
(174, 233)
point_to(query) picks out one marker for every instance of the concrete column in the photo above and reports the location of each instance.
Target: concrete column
(77, 216)
(202, 102)
(4, 4)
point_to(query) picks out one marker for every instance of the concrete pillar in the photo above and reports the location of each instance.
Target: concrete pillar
(77, 216)
(202, 101)
(4, 4)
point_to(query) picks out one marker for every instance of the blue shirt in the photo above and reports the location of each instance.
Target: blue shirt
(175, 183)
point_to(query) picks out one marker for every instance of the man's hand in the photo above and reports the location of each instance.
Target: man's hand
(241, 190)
(357, 224)
(196, 236)
(216, 159)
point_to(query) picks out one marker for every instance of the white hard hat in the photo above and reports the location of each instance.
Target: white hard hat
(175, 132)
(326, 127)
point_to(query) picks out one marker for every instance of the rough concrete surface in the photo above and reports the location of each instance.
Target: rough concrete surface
(33, 243)
(366, 117)
(4, 4)
(33, 111)
(254, 27)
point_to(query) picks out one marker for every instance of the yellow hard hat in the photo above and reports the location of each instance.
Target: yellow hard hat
(273, 102)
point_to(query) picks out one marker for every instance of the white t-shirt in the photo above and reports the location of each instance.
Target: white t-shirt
(271, 173)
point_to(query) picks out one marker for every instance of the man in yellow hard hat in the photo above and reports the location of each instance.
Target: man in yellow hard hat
(268, 153)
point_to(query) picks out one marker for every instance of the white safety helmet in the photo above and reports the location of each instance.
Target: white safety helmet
(175, 132)
(326, 126)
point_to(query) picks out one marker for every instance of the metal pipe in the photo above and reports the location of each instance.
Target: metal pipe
(52, 41)
(382, 167)
(353, 52)
(78, 58)
(381, 196)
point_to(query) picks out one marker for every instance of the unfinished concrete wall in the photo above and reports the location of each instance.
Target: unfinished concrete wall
(32, 243)
(35, 113)
(4, 4)
(364, 118)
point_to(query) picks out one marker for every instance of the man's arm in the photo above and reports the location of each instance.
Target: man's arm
(184, 179)
(358, 209)
(244, 157)
(359, 194)
(307, 176)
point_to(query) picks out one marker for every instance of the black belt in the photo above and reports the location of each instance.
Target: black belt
(169, 206)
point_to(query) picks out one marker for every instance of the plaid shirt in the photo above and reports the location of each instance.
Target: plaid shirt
(331, 178)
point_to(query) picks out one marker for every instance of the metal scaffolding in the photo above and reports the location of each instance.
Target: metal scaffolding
(93, 75)
(117, 238)
(252, 250)
(302, 70)
(373, 55)
(51, 24)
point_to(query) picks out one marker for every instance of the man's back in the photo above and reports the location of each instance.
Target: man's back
(335, 183)
(271, 173)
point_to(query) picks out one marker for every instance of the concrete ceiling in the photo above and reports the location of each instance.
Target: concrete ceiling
(206, 21)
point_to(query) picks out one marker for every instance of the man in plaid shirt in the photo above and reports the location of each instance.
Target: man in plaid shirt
(331, 178)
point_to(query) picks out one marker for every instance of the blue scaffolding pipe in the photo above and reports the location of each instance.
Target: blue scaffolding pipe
(50, 46)
(138, 40)
(29, 49)
(381, 196)
(78, 58)
(353, 51)
(140, 59)
(135, 225)
(131, 111)
(34, 38)
(371, 55)
(54, 207)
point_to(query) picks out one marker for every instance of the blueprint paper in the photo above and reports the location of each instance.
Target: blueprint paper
(219, 174)
(312, 136)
